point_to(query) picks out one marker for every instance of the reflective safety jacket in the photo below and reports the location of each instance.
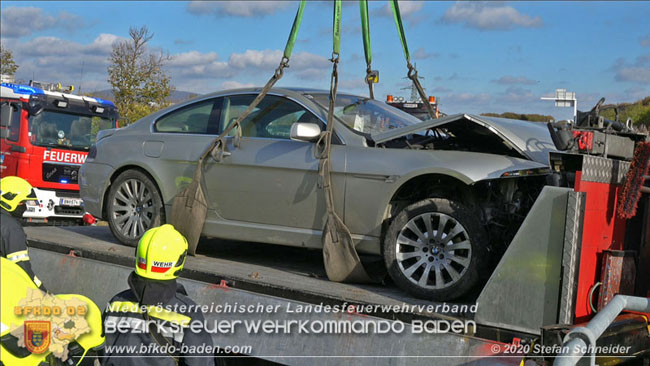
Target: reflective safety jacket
(13, 245)
(155, 335)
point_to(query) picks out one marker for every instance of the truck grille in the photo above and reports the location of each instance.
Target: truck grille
(61, 173)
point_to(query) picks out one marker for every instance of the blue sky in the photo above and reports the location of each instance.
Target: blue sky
(475, 56)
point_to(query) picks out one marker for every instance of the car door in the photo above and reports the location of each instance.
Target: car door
(270, 179)
(178, 139)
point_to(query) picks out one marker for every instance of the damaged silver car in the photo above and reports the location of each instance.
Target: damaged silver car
(440, 199)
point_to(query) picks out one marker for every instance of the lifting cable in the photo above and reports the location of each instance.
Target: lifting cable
(342, 263)
(189, 207)
(412, 72)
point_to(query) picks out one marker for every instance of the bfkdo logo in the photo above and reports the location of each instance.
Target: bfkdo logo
(37, 335)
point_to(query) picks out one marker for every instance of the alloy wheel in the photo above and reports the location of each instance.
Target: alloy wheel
(133, 208)
(433, 250)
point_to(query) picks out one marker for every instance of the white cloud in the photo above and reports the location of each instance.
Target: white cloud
(258, 59)
(23, 21)
(406, 8)
(353, 85)
(313, 74)
(270, 59)
(513, 80)
(638, 72)
(237, 8)
(197, 65)
(634, 73)
(193, 58)
(200, 71)
(231, 84)
(489, 16)
(52, 59)
(409, 10)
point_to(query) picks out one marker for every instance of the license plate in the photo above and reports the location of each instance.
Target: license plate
(410, 105)
(70, 202)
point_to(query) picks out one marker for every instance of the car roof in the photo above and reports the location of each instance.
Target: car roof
(290, 91)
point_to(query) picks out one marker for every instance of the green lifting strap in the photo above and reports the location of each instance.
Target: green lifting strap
(400, 29)
(294, 30)
(365, 28)
(337, 28)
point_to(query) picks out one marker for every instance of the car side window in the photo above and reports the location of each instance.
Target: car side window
(14, 129)
(12, 113)
(272, 118)
(195, 118)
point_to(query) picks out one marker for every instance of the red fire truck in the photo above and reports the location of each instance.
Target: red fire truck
(46, 135)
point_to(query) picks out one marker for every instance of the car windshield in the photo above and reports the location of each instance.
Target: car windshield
(65, 130)
(366, 115)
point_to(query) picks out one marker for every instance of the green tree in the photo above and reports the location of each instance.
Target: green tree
(137, 76)
(639, 111)
(7, 64)
(520, 116)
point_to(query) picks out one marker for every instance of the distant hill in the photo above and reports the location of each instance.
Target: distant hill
(639, 111)
(175, 97)
(521, 116)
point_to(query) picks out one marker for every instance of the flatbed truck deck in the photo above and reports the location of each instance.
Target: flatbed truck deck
(290, 282)
(525, 304)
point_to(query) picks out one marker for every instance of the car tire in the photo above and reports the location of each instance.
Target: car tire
(424, 263)
(133, 206)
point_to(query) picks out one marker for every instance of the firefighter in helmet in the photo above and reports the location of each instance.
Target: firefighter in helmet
(155, 313)
(13, 242)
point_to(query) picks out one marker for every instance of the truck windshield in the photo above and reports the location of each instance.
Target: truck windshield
(366, 115)
(65, 130)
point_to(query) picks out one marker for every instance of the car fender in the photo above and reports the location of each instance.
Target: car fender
(375, 175)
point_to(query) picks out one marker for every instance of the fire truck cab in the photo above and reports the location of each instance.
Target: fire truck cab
(46, 135)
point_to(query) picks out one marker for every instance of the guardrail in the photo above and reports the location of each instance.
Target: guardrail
(581, 338)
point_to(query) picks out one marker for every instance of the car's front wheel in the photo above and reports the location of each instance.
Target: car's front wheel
(134, 205)
(435, 249)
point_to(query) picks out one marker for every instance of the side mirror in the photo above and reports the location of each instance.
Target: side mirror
(6, 111)
(308, 132)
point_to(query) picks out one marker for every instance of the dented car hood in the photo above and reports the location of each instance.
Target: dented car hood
(530, 139)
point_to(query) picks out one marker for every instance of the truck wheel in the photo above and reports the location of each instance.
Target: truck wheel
(134, 205)
(435, 249)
